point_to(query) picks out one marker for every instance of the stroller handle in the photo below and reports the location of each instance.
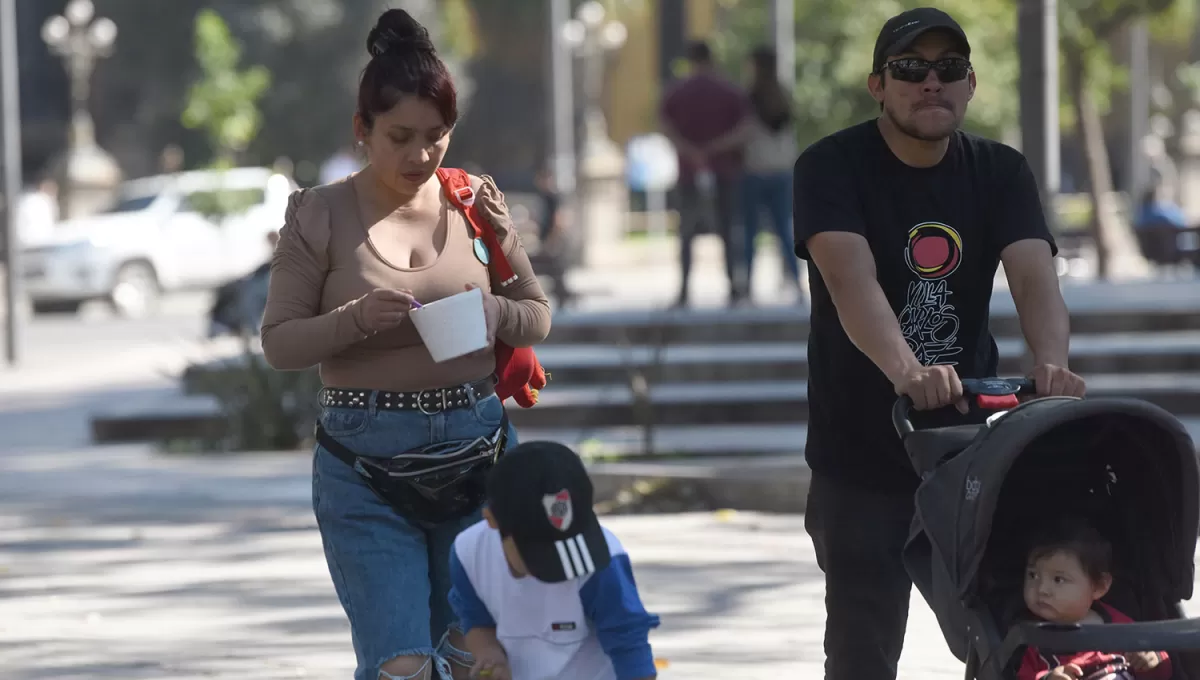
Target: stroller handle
(992, 394)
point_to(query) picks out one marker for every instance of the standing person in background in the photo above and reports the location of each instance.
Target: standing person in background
(697, 111)
(768, 140)
(170, 161)
(553, 241)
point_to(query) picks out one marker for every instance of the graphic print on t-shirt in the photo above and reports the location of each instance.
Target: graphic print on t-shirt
(928, 319)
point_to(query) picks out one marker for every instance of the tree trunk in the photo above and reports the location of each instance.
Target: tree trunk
(1117, 252)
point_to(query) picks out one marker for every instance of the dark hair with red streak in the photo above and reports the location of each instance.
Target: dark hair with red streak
(403, 62)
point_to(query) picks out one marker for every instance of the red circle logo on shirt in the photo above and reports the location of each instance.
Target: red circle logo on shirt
(933, 251)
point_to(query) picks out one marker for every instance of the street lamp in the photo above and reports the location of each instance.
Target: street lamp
(592, 38)
(10, 136)
(88, 173)
(604, 200)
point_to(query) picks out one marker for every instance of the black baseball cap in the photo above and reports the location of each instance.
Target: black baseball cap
(902, 30)
(541, 497)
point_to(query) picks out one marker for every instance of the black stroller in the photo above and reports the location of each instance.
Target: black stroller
(1128, 464)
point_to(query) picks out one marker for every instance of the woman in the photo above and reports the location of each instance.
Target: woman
(770, 153)
(352, 259)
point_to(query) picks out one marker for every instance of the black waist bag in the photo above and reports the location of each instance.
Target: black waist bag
(433, 484)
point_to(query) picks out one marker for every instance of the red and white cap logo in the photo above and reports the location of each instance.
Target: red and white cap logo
(558, 509)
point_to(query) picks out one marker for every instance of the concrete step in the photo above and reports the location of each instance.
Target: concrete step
(1090, 354)
(790, 323)
(780, 401)
(595, 407)
(670, 442)
(158, 416)
(1168, 352)
(769, 482)
(777, 484)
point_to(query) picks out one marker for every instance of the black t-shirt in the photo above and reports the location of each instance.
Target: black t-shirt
(936, 234)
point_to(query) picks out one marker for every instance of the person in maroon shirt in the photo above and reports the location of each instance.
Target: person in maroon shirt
(697, 112)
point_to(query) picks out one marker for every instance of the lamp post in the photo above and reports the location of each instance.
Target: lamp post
(88, 174)
(783, 24)
(1138, 175)
(1037, 45)
(562, 100)
(603, 198)
(10, 117)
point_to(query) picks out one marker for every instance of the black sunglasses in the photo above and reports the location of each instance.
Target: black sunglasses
(916, 70)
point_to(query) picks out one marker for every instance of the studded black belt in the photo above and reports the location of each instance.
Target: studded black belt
(425, 401)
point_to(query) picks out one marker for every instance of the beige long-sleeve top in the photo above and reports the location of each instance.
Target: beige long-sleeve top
(325, 264)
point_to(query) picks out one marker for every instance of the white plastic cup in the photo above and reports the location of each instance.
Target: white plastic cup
(452, 327)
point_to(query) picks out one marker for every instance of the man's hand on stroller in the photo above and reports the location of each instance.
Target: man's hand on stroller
(1057, 381)
(1067, 672)
(1143, 661)
(932, 387)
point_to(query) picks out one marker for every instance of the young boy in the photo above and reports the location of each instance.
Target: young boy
(543, 591)
(1068, 570)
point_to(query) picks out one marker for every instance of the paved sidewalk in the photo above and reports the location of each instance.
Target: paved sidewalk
(123, 564)
(118, 563)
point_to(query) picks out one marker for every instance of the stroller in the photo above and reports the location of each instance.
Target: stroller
(1129, 465)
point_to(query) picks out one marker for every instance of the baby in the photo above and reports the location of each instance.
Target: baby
(1068, 570)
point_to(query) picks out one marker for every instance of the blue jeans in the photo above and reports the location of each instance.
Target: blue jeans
(391, 575)
(772, 193)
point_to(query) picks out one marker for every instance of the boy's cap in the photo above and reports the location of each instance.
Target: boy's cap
(902, 30)
(541, 496)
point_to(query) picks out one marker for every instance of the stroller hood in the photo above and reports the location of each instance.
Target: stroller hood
(957, 502)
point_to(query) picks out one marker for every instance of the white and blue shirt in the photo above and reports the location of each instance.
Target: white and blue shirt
(594, 628)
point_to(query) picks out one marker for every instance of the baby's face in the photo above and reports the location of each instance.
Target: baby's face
(1058, 589)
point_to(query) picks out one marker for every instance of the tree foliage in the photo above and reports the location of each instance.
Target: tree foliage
(1086, 31)
(834, 44)
(224, 102)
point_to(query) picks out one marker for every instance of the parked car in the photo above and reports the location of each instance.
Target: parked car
(185, 231)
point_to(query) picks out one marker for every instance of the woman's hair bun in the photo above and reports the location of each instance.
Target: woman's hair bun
(397, 32)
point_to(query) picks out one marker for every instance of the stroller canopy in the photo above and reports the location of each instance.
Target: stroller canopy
(1117, 456)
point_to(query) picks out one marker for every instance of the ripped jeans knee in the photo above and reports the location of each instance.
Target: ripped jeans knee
(445, 659)
(453, 656)
(442, 668)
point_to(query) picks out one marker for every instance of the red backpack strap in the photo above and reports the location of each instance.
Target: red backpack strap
(457, 185)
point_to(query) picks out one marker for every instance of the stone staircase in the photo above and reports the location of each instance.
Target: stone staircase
(725, 395)
(733, 381)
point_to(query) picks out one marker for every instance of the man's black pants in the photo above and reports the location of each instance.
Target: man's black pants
(859, 536)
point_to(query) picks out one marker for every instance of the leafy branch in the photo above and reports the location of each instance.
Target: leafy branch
(224, 103)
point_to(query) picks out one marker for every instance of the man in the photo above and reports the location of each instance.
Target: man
(552, 235)
(906, 218)
(702, 109)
